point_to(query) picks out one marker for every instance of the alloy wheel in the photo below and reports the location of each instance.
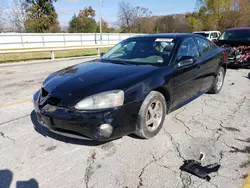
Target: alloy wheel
(220, 78)
(154, 115)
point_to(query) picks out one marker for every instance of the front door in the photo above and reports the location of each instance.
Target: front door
(187, 80)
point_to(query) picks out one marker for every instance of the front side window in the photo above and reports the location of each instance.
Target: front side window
(188, 48)
(142, 50)
(214, 35)
(204, 45)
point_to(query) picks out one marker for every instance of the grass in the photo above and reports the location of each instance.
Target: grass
(15, 57)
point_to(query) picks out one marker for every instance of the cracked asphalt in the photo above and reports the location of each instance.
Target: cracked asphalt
(215, 125)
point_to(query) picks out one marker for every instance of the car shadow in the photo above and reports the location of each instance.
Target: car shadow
(32, 183)
(134, 136)
(46, 133)
(6, 177)
(248, 76)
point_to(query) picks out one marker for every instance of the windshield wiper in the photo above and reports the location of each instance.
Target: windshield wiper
(116, 61)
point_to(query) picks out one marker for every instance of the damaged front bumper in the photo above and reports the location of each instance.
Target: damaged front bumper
(101, 126)
(238, 57)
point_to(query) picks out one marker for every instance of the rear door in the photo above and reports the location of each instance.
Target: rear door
(187, 81)
(209, 62)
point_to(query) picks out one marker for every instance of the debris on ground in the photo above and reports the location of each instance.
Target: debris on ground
(195, 168)
(93, 156)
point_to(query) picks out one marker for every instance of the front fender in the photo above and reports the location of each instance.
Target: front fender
(161, 81)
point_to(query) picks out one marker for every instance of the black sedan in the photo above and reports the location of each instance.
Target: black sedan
(131, 88)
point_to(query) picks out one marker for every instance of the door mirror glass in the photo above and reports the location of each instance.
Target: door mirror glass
(185, 61)
(102, 54)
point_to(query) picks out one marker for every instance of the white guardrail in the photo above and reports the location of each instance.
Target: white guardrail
(38, 42)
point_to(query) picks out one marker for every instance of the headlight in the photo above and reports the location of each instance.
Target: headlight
(109, 99)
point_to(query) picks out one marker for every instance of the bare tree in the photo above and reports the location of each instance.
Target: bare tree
(3, 5)
(17, 15)
(125, 15)
(129, 15)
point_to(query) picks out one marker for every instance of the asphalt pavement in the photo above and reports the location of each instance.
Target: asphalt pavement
(216, 125)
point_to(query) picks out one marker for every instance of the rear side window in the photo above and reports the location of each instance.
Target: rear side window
(188, 48)
(204, 45)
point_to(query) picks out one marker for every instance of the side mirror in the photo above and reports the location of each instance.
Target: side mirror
(186, 61)
(102, 54)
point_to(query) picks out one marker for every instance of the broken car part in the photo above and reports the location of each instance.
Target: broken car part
(195, 168)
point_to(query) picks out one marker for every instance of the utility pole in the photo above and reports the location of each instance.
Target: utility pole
(100, 15)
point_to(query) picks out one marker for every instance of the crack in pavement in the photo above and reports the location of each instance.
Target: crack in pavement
(88, 169)
(239, 105)
(142, 171)
(14, 119)
(176, 145)
(186, 181)
(183, 123)
(4, 136)
(214, 184)
(154, 160)
(206, 104)
(163, 166)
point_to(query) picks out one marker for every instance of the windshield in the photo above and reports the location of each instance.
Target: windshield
(235, 35)
(203, 34)
(142, 51)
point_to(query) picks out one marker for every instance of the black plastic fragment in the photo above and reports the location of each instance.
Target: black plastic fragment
(195, 168)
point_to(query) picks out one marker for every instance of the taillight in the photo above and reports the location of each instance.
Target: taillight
(225, 57)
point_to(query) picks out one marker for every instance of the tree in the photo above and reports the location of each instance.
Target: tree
(84, 22)
(129, 16)
(17, 15)
(105, 27)
(87, 12)
(2, 13)
(222, 14)
(41, 16)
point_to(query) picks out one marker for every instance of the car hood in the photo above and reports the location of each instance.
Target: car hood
(77, 82)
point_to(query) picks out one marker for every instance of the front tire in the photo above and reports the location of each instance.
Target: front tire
(151, 115)
(219, 81)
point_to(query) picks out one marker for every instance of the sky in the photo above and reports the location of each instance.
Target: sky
(67, 8)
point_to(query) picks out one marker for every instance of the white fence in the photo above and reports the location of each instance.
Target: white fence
(40, 40)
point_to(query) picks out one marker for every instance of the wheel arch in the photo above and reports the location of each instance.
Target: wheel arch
(224, 65)
(166, 95)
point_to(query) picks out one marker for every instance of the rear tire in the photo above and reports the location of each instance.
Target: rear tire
(151, 115)
(219, 81)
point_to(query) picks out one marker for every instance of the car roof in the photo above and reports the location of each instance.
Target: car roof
(238, 28)
(205, 31)
(165, 35)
